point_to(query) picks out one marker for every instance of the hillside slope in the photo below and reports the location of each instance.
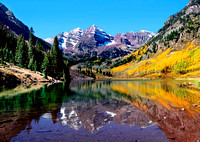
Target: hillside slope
(14, 25)
(172, 53)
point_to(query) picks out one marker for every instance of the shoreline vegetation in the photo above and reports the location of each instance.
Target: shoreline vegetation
(12, 75)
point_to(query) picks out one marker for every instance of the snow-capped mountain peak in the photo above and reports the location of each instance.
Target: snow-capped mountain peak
(76, 31)
(97, 28)
(66, 39)
(94, 37)
(94, 41)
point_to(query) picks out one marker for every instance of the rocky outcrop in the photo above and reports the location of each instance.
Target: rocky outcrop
(134, 39)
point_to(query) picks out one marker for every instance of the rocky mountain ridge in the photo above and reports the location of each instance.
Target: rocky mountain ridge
(95, 42)
(8, 19)
(14, 25)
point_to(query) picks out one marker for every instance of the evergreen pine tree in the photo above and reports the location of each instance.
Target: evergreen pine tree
(11, 58)
(56, 60)
(39, 45)
(30, 47)
(17, 52)
(35, 66)
(22, 57)
(46, 65)
(5, 53)
(39, 53)
(30, 65)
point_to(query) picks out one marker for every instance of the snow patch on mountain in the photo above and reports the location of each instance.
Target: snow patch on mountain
(108, 43)
(66, 39)
(150, 34)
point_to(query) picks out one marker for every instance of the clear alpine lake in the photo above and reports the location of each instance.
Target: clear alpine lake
(128, 111)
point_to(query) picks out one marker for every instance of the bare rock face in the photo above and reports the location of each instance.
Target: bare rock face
(134, 39)
(122, 39)
(193, 9)
(95, 42)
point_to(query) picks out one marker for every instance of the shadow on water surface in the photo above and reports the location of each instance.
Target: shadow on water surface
(101, 111)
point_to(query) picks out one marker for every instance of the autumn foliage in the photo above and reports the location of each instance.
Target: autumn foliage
(174, 63)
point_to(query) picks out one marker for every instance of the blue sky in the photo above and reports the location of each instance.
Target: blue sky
(50, 17)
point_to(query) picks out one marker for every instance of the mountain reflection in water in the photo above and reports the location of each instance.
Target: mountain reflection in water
(101, 111)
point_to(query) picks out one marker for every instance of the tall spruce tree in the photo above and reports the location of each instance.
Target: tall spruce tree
(30, 46)
(46, 65)
(30, 64)
(39, 53)
(56, 60)
(6, 53)
(35, 67)
(22, 51)
(17, 52)
(39, 45)
(11, 58)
